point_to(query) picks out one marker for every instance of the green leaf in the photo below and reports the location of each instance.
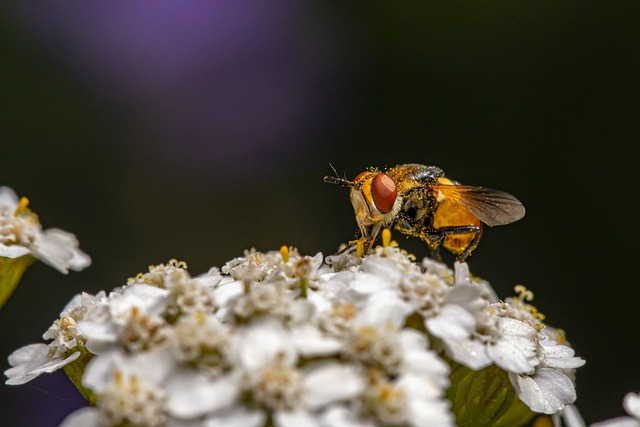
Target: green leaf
(485, 398)
(518, 414)
(11, 270)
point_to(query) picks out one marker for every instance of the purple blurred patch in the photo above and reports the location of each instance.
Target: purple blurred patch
(43, 402)
(204, 83)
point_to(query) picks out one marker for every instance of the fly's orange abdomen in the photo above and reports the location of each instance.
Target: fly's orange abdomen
(450, 214)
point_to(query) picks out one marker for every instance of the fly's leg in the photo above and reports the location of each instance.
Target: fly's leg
(360, 243)
(436, 244)
(437, 236)
(471, 246)
(365, 243)
(431, 236)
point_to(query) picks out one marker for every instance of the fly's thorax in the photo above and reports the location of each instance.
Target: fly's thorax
(419, 205)
(413, 175)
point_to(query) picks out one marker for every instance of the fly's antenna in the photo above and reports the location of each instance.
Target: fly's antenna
(335, 171)
(336, 179)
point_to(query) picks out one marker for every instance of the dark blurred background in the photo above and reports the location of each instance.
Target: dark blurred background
(195, 130)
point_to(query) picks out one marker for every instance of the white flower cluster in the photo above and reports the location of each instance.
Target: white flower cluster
(21, 234)
(286, 340)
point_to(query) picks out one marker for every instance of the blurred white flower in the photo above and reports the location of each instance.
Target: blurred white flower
(128, 388)
(30, 361)
(200, 340)
(64, 332)
(21, 234)
(631, 404)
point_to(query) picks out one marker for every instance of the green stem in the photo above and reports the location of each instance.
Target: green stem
(11, 270)
(303, 287)
(74, 371)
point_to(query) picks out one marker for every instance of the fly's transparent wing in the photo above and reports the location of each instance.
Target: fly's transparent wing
(492, 207)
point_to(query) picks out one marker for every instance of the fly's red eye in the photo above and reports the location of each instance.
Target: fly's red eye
(384, 192)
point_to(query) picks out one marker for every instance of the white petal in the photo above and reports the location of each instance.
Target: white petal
(330, 383)
(148, 299)
(153, 366)
(452, 322)
(339, 416)
(320, 302)
(462, 276)
(384, 268)
(419, 387)
(301, 311)
(99, 372)
(470, 352)
(559, 356)
(60, 250)
(100, 333)
(547, 391)
(384, 310)
(434, 267)
(508, 356)
(466, 296)
(226, 291)
(32, 353)
(237, 417)
(32, 360)
(430, 413)
(260, 344)
(571, 417)
(420, 360)
(310, 342)
(340, 281)
(74, 302)
(13, 251)
(85, 301)
(517, 328)
(211, 279)
(317, 260)
(83, 417)
(294, 419)
(413, 340)
(192, 394)
(173, 422)
(427, 363)
(487, 291)
(515, 350)
(367, 283)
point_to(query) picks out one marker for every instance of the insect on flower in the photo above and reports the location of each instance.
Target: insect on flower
(419, 201)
